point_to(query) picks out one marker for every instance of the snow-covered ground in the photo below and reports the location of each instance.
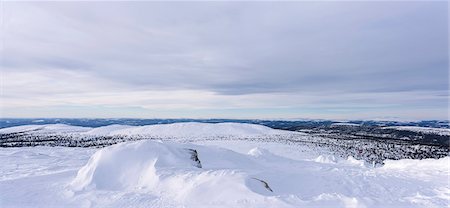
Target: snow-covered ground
(236, 173)
(438, 131)
(47, 128)
(345, 124)
(175, 130)
(187, 130)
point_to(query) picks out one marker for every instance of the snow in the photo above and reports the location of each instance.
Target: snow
(425, 164)
(154, 173)
(345, 124)
(194, 129)
(47, 128)
(325, 159)
(439, 131)
(106, 130)
(175, 130)
(130, 165)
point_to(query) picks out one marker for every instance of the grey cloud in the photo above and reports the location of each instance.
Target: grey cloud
(237, 48)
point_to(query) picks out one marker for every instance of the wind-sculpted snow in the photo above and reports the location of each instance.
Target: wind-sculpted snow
(131, 165)
(166, 170)
(230, 179)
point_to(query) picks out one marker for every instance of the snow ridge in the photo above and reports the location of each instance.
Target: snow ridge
(188, 129)
(175, 130)
(47, 128)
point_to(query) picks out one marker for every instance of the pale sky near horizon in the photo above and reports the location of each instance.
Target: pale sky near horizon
(328, 60)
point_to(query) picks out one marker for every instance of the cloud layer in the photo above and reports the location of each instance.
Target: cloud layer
(217, 59)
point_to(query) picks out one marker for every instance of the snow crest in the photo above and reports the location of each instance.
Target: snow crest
(130, 165)
(188, 129)
(175, 130)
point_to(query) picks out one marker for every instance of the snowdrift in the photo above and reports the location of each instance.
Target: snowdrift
(173, 170)
(130, 165)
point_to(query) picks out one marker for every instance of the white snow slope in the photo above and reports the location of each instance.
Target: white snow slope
(175, 130)
(439, 131)
(150, 173)
(46, 128)
(188, 130)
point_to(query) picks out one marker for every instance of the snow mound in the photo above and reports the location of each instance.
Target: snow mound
(47, 128)
(258, 152)
(170, 170)
(326, 159)
(354, 162)
(130, 165)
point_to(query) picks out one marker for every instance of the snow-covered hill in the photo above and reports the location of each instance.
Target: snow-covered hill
(47, 128)
(437, 131)
(176, 130)
(344, 124)
(188, 129)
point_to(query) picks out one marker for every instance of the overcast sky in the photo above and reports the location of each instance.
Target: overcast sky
(330, 60)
